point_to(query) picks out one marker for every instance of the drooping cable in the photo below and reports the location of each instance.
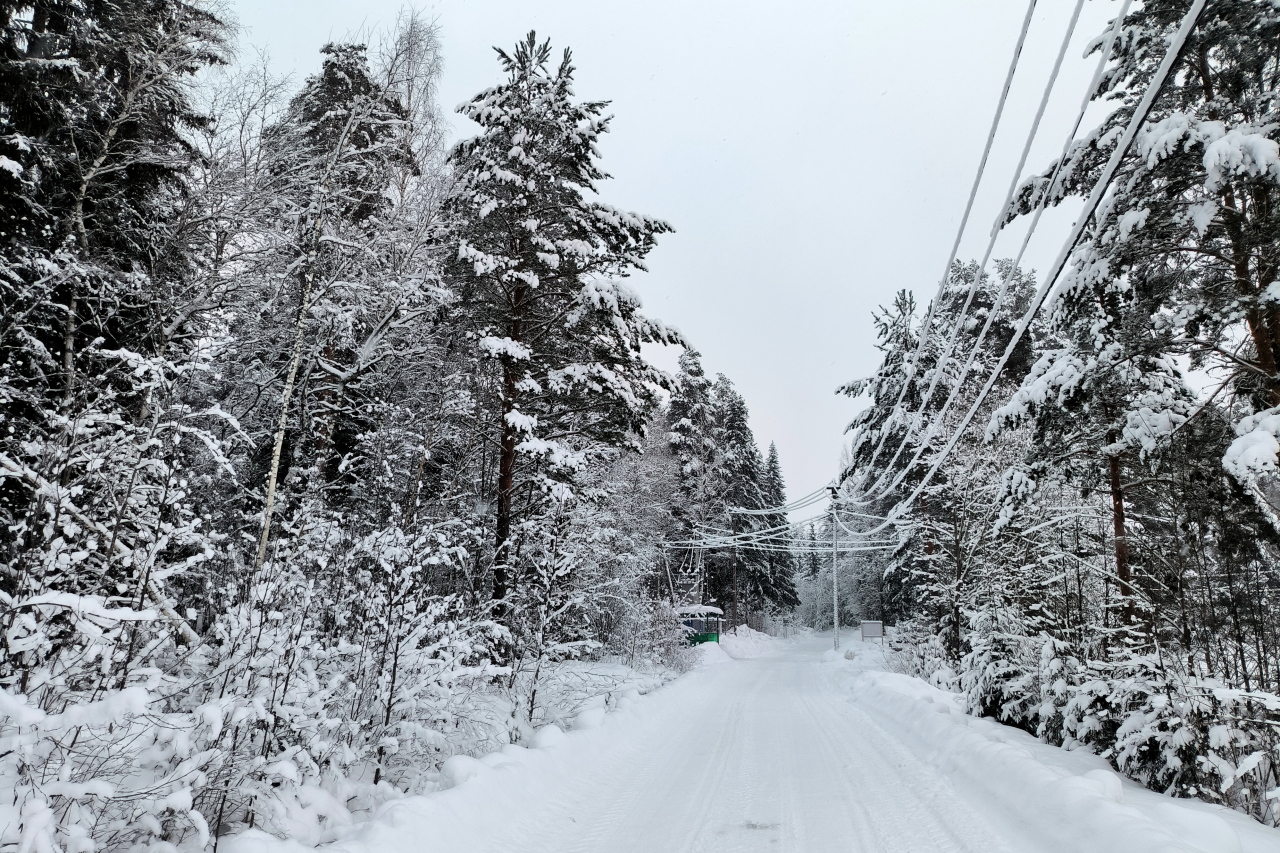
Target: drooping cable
(810, 499)
(878, 488)
(1041, 204)
(1049, 288)
(964, 219)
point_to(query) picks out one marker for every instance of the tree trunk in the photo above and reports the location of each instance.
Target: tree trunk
(502, 531)
(506, 485)
(285, 397)
(735, 586)
(310, 244)
(1120, 539)
(1262, 322)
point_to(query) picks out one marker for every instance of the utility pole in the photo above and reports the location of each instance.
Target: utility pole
(735, 588)
(835, 588)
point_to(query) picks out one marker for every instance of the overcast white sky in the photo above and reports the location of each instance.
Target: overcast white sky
(813, 157)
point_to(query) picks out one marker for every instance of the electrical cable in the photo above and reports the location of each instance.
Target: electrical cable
(958, 324)
(968, 208)
(1041, 204)
(798, 503)
(1050, 289)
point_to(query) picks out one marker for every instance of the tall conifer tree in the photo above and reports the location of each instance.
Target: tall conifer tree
(537, 264)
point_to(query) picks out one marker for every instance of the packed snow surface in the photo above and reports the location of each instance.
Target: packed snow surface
(743, 642)
(790, 747)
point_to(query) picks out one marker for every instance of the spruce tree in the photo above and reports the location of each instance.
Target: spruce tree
(735, 573)
(692, 440)
(778, 589)
(96, 105)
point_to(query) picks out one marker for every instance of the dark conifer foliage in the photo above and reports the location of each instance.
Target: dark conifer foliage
(324, 451)
(721, 471)
(538, 265)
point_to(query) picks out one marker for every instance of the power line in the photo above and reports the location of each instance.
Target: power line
(1049, 289)
(958, 326)
(968, 208)
(799, 503)
(1041, 204)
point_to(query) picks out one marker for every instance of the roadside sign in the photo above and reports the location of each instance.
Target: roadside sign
(872, 630)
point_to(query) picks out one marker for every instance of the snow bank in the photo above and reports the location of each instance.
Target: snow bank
(743, 642)
(711, 653)
(1059, 800)
(481, 798)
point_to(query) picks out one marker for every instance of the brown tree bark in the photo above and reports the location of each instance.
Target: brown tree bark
(1120, 539)
(735, 586)
(1262, 322)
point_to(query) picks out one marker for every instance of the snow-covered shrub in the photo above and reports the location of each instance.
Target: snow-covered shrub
(913, 649)
(1060, 666)
(1188, 737)
(648, 633)
(92, 759)
(344, 680)
(1000, 674)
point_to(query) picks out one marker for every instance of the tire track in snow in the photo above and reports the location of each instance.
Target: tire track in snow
(757, 755)
(925, 794)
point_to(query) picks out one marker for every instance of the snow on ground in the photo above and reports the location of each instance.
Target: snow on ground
(712, 653)
(1050, 798)
(743, 642)
(791, 747)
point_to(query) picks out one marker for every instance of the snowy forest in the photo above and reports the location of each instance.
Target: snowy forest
(333, 448)
(1084, 501)
(326, 447)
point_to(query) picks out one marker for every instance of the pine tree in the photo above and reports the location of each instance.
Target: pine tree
(1181, 257)
(1177, 261)
(537, 265)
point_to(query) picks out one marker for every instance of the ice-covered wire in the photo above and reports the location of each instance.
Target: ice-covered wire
(1041, 204)
(723, 533)
(1049, 288)
(799, 503)
(878, 489)
(968, 208)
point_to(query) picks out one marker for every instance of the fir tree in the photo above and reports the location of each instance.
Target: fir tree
(778, 590)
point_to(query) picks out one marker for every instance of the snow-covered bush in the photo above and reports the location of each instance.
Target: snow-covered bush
(1000, 674)
(914, 649)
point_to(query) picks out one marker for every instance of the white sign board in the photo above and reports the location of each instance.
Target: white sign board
(872, 630)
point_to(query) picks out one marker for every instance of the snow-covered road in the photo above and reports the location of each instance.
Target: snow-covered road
(792, 750)
(762, 755)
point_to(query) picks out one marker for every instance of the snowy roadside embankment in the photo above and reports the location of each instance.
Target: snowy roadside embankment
(1053, 798)
(478, 798)
(742, 642)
